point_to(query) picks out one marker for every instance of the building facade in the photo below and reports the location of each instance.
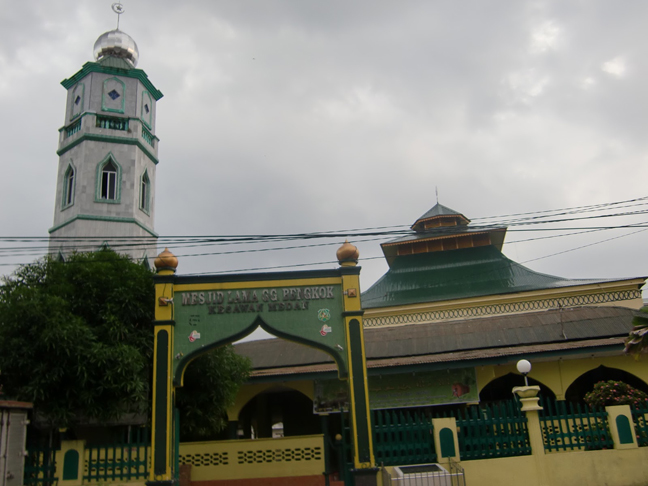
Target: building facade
(108, 155)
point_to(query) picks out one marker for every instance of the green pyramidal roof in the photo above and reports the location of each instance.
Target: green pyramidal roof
(114, 66)
(449, 275)
(441, 210)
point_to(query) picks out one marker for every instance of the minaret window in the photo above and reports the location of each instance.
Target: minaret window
(68, 187)
(145, 193)
(108, 181)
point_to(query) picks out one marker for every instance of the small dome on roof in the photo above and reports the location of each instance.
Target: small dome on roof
(117, 44)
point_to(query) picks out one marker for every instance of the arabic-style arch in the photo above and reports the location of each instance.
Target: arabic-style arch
(281, 404)
(184, 361)
(585, 382)
(500, 389)
(251, 391)
(318, 308)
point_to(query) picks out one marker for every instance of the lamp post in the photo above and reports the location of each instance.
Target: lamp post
(524, 367)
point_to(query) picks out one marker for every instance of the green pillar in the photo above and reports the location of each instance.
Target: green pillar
(162, 444)
(365, 471)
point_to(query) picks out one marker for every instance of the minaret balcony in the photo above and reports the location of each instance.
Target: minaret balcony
(108, 128)
(112, 122)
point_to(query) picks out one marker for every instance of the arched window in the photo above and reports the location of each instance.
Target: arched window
(145, 193)
(108, 186)
(68, 187)
(109, 182)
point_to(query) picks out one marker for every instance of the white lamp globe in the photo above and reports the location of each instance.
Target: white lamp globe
(524, 367)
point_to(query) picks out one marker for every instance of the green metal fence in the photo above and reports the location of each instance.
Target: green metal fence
(402, 437)
(492, 430)
(640, 418)
(568, 426)
(117, 462)
(40, 467)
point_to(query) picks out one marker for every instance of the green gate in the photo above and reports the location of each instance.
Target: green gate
(402, 437)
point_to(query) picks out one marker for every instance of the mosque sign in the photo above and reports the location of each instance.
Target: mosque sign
(206, 315)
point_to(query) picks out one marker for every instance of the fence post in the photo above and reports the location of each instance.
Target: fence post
(622, 427)
(446, 441)
(69, 462)
(530, 406)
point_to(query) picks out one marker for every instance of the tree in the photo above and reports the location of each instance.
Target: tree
(637, 342)
(76, 339)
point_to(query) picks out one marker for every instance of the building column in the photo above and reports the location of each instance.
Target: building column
(162, 443)
(365, 471)
(530, 406)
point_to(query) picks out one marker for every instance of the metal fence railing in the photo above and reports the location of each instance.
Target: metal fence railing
(568, 426)
(40, 467)
(402, 437)
(640, 418)
(492, 430)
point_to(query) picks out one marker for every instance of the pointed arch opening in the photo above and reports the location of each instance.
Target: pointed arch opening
(501, 389)
(276, 412)
(145, 193)
(585, 382)
(69, 179)
(108, 183)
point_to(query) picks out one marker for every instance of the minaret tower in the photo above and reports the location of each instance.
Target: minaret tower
(108, 153)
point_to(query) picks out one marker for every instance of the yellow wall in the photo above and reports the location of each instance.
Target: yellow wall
(607, 467)
(560, 374)
(242, 459)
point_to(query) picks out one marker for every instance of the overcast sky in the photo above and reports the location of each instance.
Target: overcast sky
(293, 116)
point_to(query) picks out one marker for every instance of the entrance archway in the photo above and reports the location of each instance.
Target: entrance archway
(278, 412)
(193, 315)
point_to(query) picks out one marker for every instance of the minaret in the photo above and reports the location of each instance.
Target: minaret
(108, 154)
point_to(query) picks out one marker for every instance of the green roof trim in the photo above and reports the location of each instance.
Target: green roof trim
(457, 274)
(109, 139)
(111, 219)
(446, 232)
(111, 68)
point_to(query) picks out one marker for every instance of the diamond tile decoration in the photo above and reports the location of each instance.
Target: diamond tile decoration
(113, 94)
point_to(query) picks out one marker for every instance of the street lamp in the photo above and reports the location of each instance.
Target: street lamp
(524, 367)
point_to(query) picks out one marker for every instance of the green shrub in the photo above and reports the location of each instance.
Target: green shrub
(613, 392)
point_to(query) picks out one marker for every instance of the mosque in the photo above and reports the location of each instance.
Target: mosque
(444, 327)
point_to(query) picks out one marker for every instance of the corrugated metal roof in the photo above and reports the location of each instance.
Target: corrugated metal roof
(455, 340)
(478, 354)
(450, 275)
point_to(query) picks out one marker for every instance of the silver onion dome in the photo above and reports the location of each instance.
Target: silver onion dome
(118, 44)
